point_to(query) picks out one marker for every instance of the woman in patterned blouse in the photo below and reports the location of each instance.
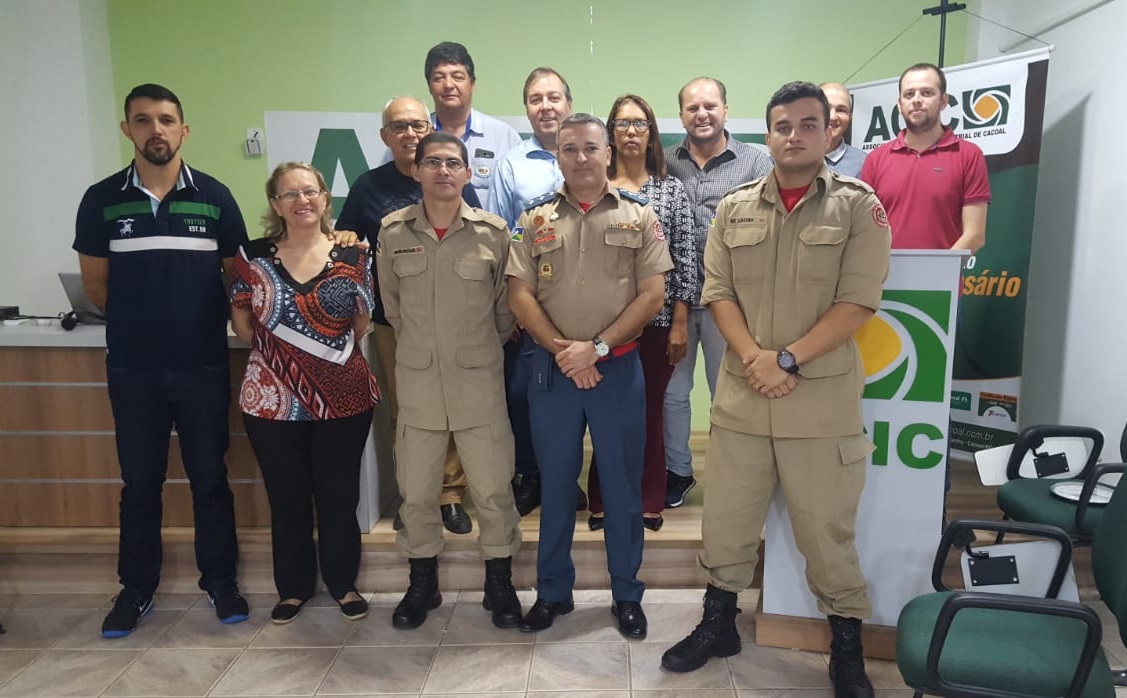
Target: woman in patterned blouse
(638, 165)
(302, 302)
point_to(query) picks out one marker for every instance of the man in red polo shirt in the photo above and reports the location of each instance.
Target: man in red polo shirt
(932, 183)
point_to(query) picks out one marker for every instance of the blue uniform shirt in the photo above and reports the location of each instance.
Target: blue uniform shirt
(487, 141)
(165, 305)
(526, 172)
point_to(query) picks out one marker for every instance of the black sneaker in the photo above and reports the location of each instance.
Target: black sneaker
(526, 493)
(126, 613)
(676, 488)
(229, 605)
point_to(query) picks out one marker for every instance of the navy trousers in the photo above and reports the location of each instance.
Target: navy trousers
(518, 371)
(614, 411)
(146, 404)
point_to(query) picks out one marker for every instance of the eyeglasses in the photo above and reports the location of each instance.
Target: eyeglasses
(292, 196)
(398, 127)
(639, 125)
(453, 165)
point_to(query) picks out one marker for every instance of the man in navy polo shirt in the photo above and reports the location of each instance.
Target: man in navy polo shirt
(155, 244)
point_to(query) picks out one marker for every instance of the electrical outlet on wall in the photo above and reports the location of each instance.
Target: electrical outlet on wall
(254, 141)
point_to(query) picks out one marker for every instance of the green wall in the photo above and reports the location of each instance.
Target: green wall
(232, 60)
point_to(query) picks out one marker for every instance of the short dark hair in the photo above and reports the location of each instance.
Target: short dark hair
(704, 78)
(538, 73)
(924, 66)
(440, 137)
(655, 158)
(794, 91)
(448, 52)
(155, 92)
(581, 119)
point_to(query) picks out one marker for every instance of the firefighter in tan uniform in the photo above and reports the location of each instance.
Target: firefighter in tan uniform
(441, 267)
(794, 265)
(587, 274)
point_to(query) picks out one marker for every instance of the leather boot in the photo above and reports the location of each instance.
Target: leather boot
(715, 636)
(422, 594)
(847, 662)
(500, 596)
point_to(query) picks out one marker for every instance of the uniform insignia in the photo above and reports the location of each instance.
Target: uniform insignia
(554, 217)
(636, 227)
(408, 250)
(538, 221)
(540, 201)
(483, 153)
(879, 216)
(481, 171)
(746, 220)
(545, 238)
(633, 196)
(545, 270)
(518, 234)
(658, 232)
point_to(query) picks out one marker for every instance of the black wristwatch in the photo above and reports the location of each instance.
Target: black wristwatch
(786, 362)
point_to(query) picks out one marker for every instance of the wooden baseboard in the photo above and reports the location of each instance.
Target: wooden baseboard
(813, 634)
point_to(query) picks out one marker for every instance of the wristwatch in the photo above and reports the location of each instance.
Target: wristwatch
(601, 348)
(786, 362)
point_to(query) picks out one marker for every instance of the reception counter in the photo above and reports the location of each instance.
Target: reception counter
(58, 461)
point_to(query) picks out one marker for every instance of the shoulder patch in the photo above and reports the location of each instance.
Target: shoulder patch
(518, 234)
(633, 196)
(540, 200)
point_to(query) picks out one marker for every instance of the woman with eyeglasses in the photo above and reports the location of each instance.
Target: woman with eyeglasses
(637, 164)
(302, 301)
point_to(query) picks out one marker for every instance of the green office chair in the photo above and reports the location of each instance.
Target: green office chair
(1036, 469)
(960, 644)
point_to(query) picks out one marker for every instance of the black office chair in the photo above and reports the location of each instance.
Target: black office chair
(1035, 468)
(960, 644)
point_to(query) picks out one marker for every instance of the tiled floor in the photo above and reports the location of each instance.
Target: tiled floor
(53, 648)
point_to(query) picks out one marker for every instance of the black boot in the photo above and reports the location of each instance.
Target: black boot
(422, 594)
(715, 636)
(500, 596)
(847, 663)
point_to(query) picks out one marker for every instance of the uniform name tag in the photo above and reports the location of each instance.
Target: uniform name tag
(408, 250)
(483, 153)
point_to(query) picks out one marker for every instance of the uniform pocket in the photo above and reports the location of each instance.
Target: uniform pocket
(417, 358)
(472, 269)
(409, 265)
(819, 254)
(749, 254)
(478, 356)
(622, 246)
(833, 363)
(854, 449)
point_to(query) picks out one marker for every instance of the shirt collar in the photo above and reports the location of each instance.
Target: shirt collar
(769, 186)
(469, 123)
(184, 179)
(837, 153)
(947, 140)
(682, 150)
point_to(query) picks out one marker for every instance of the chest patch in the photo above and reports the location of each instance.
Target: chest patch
(408, 250)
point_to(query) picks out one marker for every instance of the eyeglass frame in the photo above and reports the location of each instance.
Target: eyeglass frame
(292, 195)
(452, 165)
(623, 125)
(419, 126)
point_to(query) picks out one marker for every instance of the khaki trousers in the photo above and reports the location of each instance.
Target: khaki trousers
(488, 456)
(821, 481)
(453, 477)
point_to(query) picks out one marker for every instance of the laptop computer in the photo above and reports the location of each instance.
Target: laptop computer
(83, 308)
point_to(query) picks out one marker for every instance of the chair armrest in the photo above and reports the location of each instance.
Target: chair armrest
(1091, 479)
(1031, 439)
(1022, 604)
(1018, 527)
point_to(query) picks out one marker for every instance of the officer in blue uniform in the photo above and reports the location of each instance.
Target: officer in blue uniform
(586, 274)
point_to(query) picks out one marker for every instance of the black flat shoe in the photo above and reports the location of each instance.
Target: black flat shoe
(353, 610)
(595, 522)
(632, 623)
(285, 612)
(654, 523)
(543, 613)
(455, 518)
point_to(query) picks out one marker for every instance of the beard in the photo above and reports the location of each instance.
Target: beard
(159, 157)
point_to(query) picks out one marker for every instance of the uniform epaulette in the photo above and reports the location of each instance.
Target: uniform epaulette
(746, 185)
(395, 216)
(540, 200)
(633, 196)
(491, 219)
(852, 181)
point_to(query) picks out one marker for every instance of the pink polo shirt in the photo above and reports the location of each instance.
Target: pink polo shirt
(925, 192)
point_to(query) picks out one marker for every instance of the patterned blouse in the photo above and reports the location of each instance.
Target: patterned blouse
(305, 362)
(668, 199)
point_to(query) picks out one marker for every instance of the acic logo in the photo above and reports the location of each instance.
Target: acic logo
(980, 108)
(904, 347)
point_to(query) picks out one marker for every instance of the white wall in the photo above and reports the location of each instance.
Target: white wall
(1076, 332)
(58, 135)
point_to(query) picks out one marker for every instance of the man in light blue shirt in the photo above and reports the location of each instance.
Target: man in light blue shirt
(840, 156)
(450, 79)
(530, 169)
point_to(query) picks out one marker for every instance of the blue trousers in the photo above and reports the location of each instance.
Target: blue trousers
(518, 371)
(614, 411)
(146, 404)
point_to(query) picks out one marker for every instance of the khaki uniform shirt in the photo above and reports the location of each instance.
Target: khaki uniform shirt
(585, 267)
(785, 270)
(448, 303)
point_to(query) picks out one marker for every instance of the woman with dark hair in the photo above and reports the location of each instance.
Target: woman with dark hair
(302, 301)
(637, 164)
